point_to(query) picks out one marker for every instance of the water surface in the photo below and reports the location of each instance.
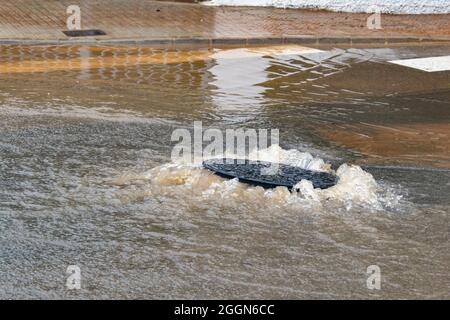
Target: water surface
(86, 176)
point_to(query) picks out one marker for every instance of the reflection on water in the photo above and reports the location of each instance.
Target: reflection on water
(93, 61)
(414, 144)
(86, 178)
(241, 76)
(239, 84)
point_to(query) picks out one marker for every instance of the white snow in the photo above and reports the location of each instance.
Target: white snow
(385, 6)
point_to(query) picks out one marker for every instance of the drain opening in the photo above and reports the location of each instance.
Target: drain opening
(84, 33)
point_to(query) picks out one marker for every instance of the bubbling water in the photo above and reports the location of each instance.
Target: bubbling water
(191, 184)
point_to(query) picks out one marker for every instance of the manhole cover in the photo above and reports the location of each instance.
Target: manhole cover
(84, 33)
(251, 172)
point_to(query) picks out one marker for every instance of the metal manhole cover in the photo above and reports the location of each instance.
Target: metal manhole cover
(286, 176)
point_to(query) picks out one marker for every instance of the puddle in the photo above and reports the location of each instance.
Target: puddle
(86, 175)
(414, 144)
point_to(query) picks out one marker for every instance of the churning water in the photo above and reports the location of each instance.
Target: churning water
(86, 176)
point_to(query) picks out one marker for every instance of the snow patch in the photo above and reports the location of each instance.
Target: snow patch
(386, 6)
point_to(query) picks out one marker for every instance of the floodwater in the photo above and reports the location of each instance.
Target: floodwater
(86, 176)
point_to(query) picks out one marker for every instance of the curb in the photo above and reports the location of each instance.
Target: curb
(211, 42)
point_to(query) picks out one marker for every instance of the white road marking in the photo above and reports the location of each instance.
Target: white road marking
(274, 51)
(432, 64)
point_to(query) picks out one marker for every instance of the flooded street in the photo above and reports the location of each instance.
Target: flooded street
(86, 176)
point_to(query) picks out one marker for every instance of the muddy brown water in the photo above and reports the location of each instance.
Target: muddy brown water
(85, 177)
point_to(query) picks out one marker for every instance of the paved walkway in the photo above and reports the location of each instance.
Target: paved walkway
(163, 22)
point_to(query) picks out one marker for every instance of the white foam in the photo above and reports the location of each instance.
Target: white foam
(20, 107)
(191, 185)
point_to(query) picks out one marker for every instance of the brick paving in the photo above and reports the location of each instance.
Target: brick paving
(144, 20)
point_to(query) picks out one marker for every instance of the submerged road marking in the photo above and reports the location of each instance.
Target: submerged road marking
(432, 64)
